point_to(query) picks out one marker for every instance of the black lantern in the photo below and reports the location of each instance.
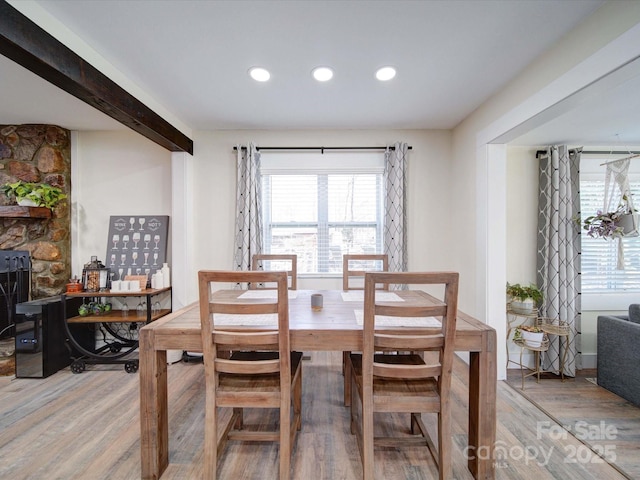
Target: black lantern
(95, 276)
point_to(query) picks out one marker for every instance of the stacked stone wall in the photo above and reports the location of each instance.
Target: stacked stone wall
(39, 153)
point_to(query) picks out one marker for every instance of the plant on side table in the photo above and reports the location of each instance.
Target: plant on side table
(532, 335)
(31, 194)
(524, 299)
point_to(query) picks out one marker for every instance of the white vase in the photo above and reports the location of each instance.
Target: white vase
(27, 202)
(532, 339)
(159, 279)
(166, 275)
(526, 306)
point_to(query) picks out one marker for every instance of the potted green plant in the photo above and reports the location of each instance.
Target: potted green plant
(33, 194)
(524, 299)
(532, 335)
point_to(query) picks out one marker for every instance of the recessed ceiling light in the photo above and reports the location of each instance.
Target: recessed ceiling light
(259, 74)
(385, 73)
(322, 74)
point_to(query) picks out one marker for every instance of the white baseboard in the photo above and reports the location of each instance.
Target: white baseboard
(527, 359)
(589, 360)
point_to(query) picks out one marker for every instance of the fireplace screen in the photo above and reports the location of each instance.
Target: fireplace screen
(15, 282)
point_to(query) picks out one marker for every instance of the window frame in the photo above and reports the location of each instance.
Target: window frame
(593, 170)
(340, 164)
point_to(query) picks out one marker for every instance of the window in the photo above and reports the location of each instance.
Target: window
(599, 257)
(322, 213)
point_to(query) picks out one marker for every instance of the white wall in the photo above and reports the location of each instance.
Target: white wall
(113, 173)
(522, 224)
(522, 214)
(116, 173)
(214, 174)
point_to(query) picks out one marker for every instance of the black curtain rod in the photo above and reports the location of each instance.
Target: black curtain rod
(322, 149)
(599, 152)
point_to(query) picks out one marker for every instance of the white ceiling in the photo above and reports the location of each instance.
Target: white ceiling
(192, 57)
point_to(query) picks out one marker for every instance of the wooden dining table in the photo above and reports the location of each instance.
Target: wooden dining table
(334, 328)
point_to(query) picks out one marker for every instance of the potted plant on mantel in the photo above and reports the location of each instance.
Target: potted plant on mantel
(523, 299)
(31, 194)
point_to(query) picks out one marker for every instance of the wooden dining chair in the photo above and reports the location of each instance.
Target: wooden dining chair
(259, 260)
(413, 383)
(260, 372)
(362, 263)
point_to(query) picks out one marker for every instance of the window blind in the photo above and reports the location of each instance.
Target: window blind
(599, 256)
(322, 210)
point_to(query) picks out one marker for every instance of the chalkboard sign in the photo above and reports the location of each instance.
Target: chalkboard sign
(137, 245)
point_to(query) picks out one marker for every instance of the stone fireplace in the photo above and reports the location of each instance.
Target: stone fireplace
(38, 153)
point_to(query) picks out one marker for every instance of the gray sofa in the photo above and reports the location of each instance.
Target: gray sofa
(619, 354)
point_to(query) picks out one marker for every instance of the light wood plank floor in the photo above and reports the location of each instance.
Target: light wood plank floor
(602, 420)
(86, 426)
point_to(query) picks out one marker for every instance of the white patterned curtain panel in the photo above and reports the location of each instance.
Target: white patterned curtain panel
(558, 269)
(395, 247)
(248, 207)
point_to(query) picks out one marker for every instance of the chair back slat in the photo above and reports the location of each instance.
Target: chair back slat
(244, 308)
(259, 260)
(407, 372)
(396, 309)
(249, 339)
(375, 262)
(408, 342)
(253, 367)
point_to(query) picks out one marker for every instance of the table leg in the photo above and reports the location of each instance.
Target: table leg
(482, 409)
(346, 372)
(154, 421)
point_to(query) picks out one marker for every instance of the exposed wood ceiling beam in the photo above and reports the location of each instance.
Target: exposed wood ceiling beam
(27, 44)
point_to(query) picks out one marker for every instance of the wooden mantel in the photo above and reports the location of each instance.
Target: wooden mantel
(16, 211)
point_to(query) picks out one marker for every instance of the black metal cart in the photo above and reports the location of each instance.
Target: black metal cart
(118, 327)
